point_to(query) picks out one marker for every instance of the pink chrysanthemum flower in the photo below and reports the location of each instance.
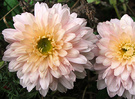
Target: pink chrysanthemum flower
(49, 49)
(115, 63)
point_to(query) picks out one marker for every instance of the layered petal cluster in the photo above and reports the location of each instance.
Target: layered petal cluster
(115, 63)
(50, 48)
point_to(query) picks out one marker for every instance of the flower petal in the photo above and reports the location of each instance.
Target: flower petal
(125, 75)
(66, 83)
(12, 35)
(69, 37)
(118, 70)
(101, 84)
(79, 60)
(25, 18)
(73, 53)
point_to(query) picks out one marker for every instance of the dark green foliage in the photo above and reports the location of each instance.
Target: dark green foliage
(10, 87)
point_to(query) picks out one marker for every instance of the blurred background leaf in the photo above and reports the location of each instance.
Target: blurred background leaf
(1, 64)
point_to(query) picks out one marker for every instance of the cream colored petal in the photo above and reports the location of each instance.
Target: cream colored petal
(64, 69)
(23, 58)
(65, 16)
(12, 35)
(79, 60)
(53, 86)
(81, 46)
(115, 64)
(62, 53)
(125, 21)
(73, 53)
(43, 68)
(57, 27)
(39, 9)
(33, 58)
(13, 64)
(19, 26)
(78, 67)
(43, 92)
(59, 35)
(119, 70)
(125, 75)
(68, 37)
(56, 73)
(100, 59)
(44, 82)
(50, 63)
(67, 46)
(55, 60)
(27, 67)
(71, 77)
(25, 18)
(21, 49)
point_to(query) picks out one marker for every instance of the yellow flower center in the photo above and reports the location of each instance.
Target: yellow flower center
(44, 45)
(127, 50)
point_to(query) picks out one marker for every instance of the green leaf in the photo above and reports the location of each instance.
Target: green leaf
(31, 2)
(62, 0)
(113, 2)
(11, 4)
(133, 18)
(95, 1)
(90, 1)
(96, 33)
(122, 0)
(1, 64)
(125, 7)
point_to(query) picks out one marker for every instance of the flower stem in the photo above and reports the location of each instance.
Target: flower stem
(116, 10)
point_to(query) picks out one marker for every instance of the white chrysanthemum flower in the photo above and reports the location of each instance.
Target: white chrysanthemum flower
(49, 49)
(115, 63)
